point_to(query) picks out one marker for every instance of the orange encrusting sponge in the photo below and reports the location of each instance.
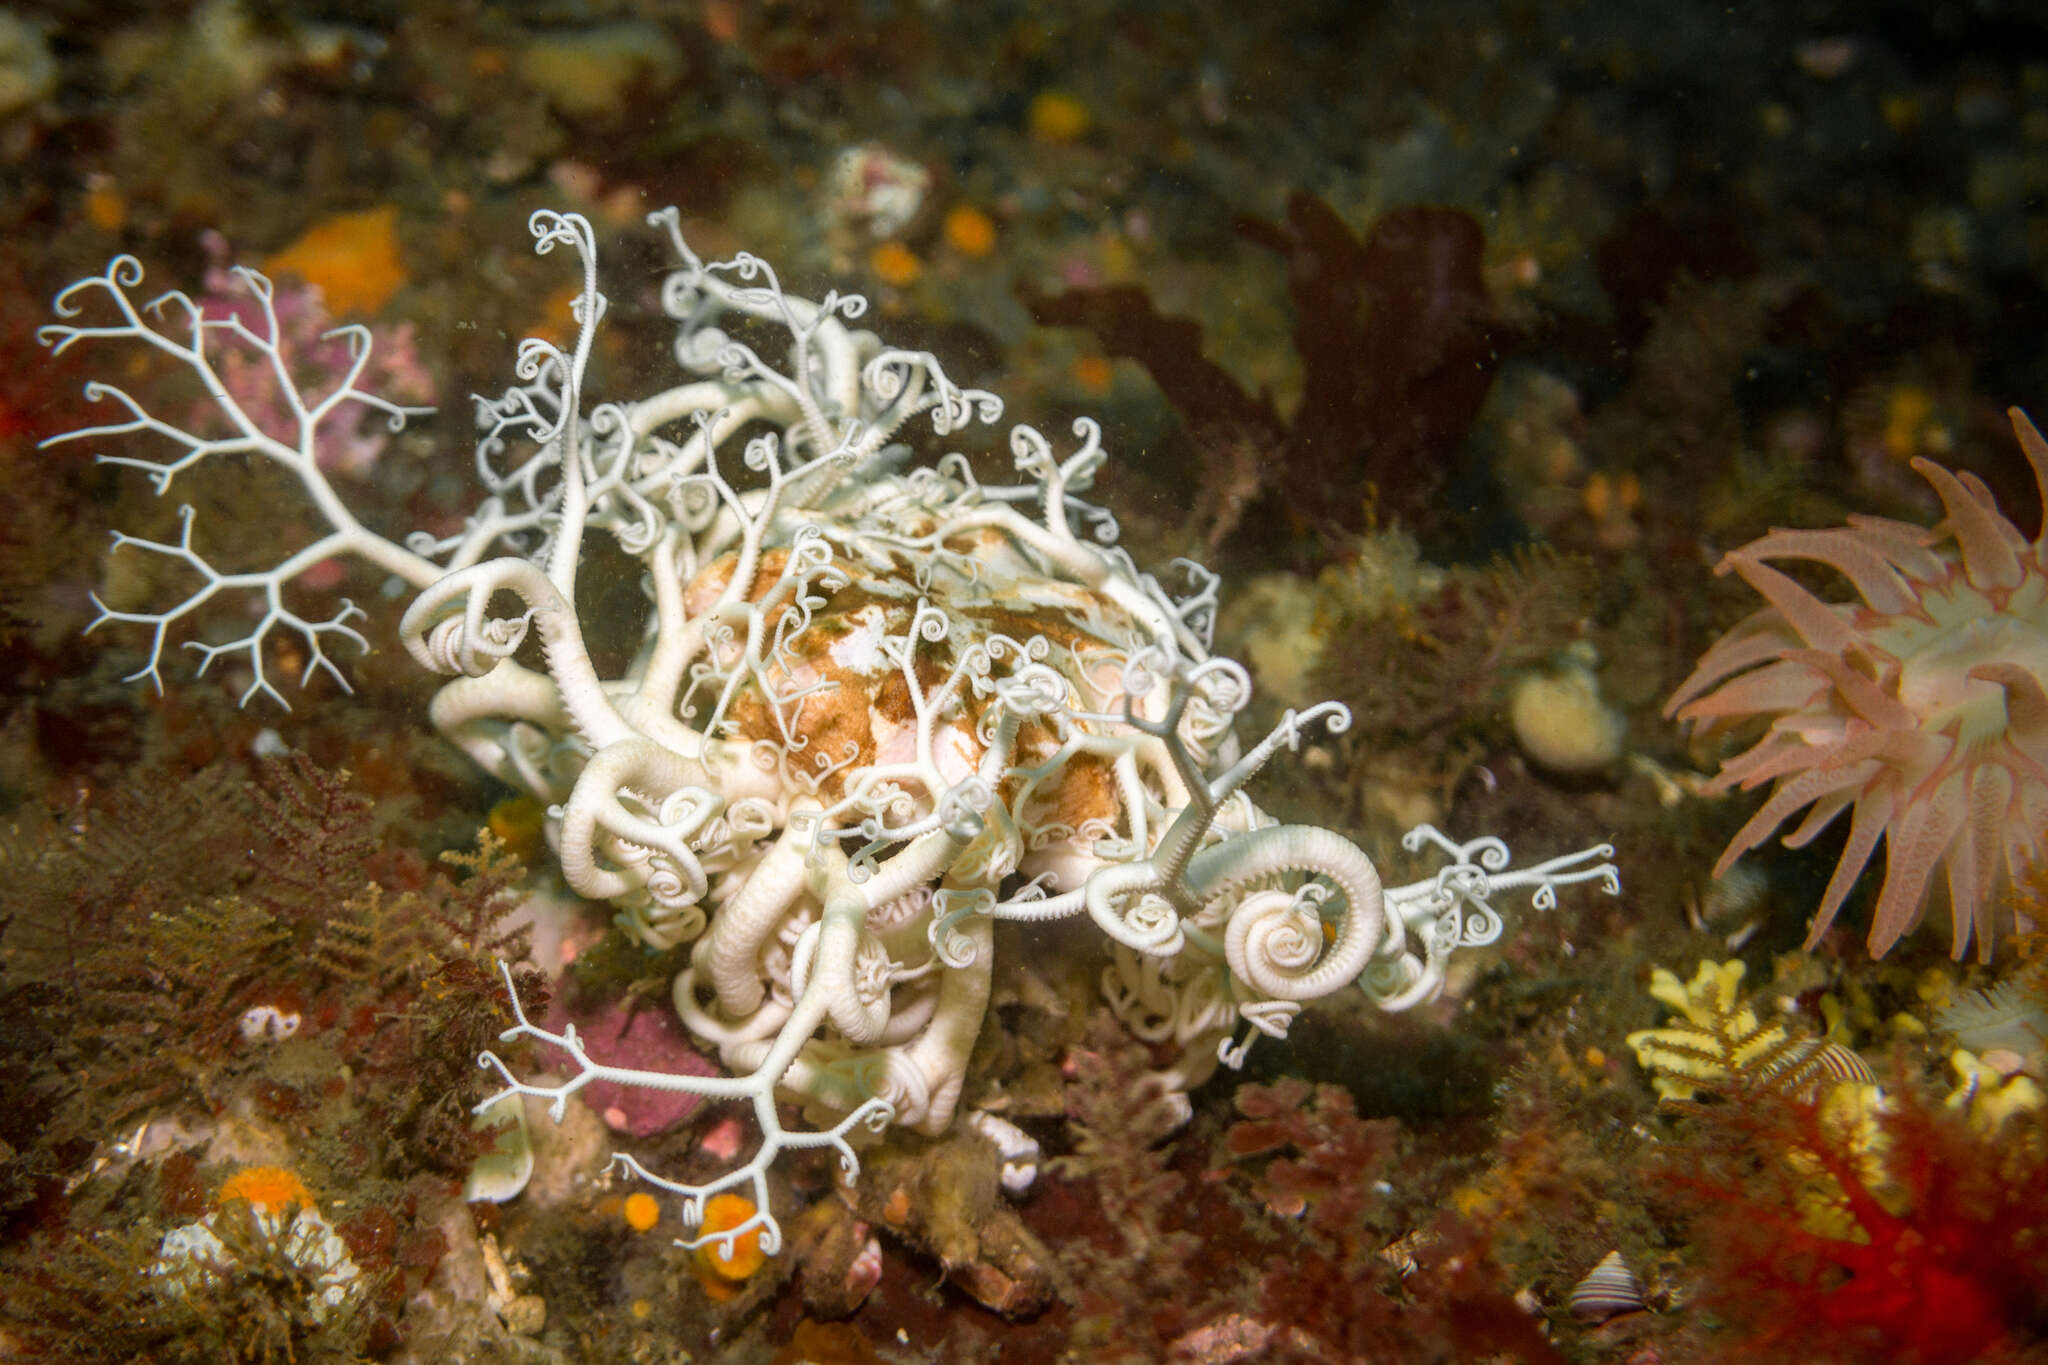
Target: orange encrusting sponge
(724, 1265)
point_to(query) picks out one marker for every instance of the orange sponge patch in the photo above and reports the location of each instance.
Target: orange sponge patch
(352, 257)
(895, 264)
(970, 231)
(641, 1211)
(722, 1266)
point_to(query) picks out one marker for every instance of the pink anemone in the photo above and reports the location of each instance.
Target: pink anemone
(1921, 709)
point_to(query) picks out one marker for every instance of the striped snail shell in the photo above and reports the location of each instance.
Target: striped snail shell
(1837, 1064)
(1609, 1290)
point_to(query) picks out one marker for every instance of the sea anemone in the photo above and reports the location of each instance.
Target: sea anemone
(272, 1190)
(1921, 709)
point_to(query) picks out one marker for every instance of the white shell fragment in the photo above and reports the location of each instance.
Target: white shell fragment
(501, 1173)
(1018, 1149)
